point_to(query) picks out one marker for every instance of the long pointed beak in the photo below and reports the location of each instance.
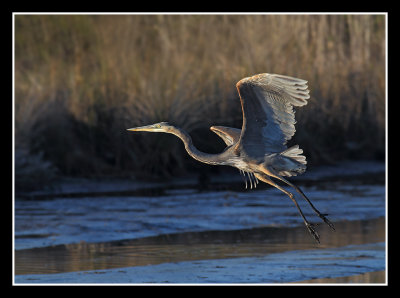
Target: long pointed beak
(133, 129)
(142, 128)
(214, 129)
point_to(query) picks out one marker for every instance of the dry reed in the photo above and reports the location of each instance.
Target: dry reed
(80, 81)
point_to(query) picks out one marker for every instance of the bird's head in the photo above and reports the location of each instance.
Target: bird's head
(157, 127)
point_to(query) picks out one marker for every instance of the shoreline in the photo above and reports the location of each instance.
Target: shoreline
(69, 187)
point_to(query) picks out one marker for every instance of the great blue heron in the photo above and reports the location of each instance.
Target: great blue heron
(259, 148)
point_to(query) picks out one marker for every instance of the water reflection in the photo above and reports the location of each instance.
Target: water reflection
(369, 277)
(177, 247)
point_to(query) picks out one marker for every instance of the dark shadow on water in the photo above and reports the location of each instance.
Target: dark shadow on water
(365, 172)
(178, 247)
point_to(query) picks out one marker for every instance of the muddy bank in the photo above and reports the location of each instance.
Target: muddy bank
(368, 171)
(374, 277)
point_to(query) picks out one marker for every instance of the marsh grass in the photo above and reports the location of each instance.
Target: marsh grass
(80, 81)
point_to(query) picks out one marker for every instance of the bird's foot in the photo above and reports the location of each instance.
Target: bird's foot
(322, 216)
(313, 232)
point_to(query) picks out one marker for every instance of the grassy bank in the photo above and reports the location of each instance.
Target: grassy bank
(80, 81)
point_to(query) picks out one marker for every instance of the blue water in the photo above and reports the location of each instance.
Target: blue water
(285, 255)
(284, 267)
(99, 219)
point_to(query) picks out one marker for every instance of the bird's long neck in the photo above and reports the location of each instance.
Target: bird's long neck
(193, 151)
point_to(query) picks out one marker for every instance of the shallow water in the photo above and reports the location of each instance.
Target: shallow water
(191, 236)
(192, 246)
(283, 267)
(99, 219)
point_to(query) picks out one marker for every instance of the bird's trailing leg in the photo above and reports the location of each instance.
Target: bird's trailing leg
(309, 226)
(320, 215)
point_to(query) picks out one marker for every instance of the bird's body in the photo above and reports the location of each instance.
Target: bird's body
(259, 148)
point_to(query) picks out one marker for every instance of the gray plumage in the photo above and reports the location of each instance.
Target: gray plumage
(268, 117)
(259, 148)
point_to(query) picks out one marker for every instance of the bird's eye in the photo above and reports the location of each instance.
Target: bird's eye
(158, 125)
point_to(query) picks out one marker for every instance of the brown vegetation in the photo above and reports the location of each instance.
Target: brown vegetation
(80, 81)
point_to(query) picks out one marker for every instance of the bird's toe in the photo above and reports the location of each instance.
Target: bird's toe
(313, 232)
(327, 221)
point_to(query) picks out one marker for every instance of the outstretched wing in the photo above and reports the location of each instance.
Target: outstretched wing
(230, 135)
(268, 117)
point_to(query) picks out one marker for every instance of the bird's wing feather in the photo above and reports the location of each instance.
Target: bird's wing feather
(230, 135)
(268, 117)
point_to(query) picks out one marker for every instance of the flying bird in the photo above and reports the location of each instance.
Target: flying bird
(259, 149)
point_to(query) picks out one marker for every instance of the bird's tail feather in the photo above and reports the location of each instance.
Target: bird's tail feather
(295, 152)
(295, 162)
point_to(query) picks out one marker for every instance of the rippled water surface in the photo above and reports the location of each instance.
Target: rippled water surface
(184, 235)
